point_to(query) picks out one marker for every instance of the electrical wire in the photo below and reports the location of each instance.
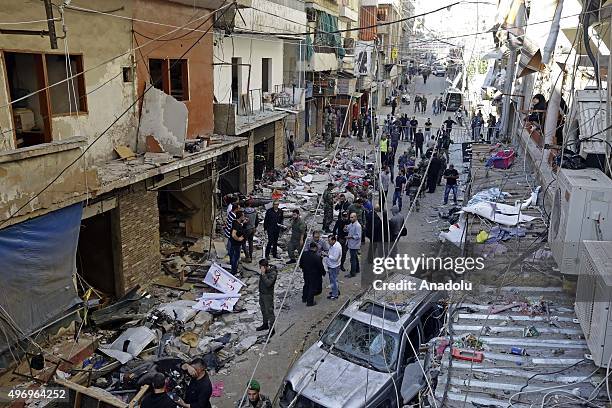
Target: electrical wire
(140, 97)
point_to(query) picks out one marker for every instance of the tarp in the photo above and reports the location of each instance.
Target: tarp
(37, 262)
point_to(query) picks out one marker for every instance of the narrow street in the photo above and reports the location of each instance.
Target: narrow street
(192, 215)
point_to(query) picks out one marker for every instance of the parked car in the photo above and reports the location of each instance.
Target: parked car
(364, 358)
(452, 99)
(439, 70)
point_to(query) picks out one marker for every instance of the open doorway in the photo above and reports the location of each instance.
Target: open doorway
(264, 158)
(95, 260)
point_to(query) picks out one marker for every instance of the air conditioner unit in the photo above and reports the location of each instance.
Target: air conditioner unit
(582, 210)
(588, 118)
(594, 299)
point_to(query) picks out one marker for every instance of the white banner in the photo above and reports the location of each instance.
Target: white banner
(222, 280)
(217, 301)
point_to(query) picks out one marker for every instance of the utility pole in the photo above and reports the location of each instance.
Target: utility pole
(40, 33)
(510, 74)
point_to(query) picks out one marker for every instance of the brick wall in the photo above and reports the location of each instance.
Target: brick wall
(138, 230)
(279, 144)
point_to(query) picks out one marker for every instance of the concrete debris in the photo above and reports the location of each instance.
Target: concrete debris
(245, 344)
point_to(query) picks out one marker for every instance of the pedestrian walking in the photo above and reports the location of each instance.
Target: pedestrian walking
(229, 221)
(267, 280)
(432, 173)
(404, 123)
(236, 239)
(400, 185)
(490, 127)
(385, 180)
(476, 126)
(252, 221)
(413, 127)
(451, 176)
(384, 148)
(273, 223)
(417, 102)
(333, 260)
(428, 125)
(296, 241)
(393, 105)
(423, 104)
(446, 142)
(328, 207)
(354, 243)
(396, 223)
(419, 140)
(341, 231)
(254, 398)
(313, 271)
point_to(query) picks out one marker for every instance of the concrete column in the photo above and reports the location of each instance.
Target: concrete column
(550, 126)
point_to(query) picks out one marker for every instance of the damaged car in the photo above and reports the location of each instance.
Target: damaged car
(369, 354)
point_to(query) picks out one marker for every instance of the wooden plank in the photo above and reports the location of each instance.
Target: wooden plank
(93, 393)
(136, 400)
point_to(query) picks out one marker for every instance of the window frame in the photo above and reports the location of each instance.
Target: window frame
(166, 85)
(80, 81)
(43, 90)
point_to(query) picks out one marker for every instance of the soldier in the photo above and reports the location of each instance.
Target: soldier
(328, 207)
(254, 398)
(267, 280)
(298, 228)
(333, 119)
(328, 127)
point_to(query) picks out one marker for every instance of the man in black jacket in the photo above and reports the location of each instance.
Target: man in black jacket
(340, 231)
(312, 268)
(199, 390)
(413, 127)
(158, 398)
(273, 222)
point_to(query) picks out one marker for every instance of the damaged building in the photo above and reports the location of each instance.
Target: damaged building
(87, 185)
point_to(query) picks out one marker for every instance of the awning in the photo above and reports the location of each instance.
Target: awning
(540, 39)
(357, 95)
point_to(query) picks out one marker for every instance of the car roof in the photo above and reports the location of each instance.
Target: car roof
(380, 308)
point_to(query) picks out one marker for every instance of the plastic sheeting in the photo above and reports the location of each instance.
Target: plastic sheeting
(37, 262)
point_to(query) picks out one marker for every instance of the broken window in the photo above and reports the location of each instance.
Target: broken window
(432, 322)
(170, 76)
(411, 345)
(362, 344)
(69, 96)
(179, 79)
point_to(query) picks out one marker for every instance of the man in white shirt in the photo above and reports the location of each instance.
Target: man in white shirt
(333, 260)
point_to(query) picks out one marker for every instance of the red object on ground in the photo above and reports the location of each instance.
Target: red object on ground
(507, 158)
(468, 355)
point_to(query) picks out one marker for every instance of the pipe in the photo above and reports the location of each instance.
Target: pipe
(552, 111)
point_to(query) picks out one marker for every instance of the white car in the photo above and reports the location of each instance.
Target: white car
(439, 71)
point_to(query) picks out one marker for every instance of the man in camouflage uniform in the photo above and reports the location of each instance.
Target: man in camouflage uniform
(333, 119)
(328, 207)
(298, 228)
(254, 399)
(327, 126)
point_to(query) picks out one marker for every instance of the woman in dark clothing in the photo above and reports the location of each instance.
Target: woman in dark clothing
(538, 109)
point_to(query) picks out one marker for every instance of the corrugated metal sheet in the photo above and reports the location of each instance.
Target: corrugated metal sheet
(367, 17)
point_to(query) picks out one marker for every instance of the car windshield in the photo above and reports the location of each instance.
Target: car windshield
(362, 344)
